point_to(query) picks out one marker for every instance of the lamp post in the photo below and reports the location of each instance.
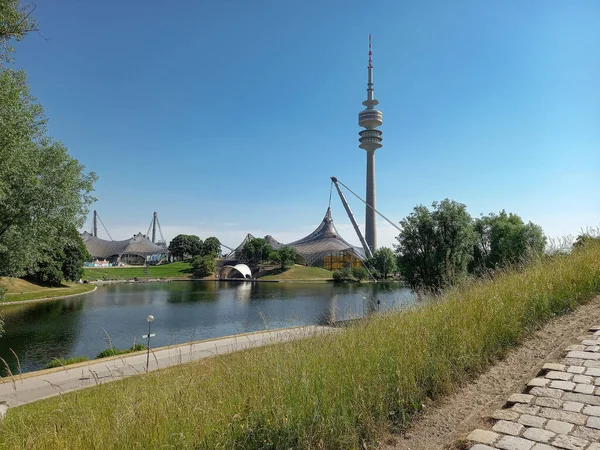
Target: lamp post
(150, 319)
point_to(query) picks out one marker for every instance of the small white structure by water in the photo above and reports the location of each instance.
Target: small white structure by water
(237, 271)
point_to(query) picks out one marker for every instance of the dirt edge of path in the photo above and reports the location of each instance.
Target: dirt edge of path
(447, 421)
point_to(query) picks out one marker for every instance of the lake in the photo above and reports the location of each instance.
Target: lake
(184, 311)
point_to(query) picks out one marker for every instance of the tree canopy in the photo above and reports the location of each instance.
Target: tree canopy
(16, 20)
(211, 246)
(504, 239)
(286, 256)
(384, 261)
(585, 239)
(256, 250)
(185, 246)
(203, 266)
(44, 192)
(435, 247)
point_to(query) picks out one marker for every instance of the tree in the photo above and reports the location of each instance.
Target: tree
(61, 261)
(257, 250)
(504, 239)
(359, 273)
(185, 245)
(585, 239)
(286, 256)
(435, 247)
(203, 266)
(43, 191)
(211, 246)
(15, 22)
(384, 261)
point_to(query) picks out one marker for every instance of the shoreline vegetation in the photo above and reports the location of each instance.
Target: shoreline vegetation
(343, 390)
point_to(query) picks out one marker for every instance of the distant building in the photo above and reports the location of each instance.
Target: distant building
(133, 251)
(324, 247)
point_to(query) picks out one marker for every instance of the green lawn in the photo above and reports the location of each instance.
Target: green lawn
(298, 273)
(19, 290)
(171, 270)
(341, 390)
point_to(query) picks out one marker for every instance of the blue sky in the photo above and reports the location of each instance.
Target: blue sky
(229, 117)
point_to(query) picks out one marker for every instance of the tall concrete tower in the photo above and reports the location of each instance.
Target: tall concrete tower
(370, 140)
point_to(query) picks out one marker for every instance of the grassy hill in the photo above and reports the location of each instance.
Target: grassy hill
(298, 273)
(19, 290)
(172, 270)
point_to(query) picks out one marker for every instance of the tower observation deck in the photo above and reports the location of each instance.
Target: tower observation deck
(370, 140)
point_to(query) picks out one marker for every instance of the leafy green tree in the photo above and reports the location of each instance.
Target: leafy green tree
(43, 191)
(75, 254)
(384, 261)
(63, 261)
(286, 256)
(211, 246)
(203, 266)
(435, 247)
(16, 21)
(585, 239)
(185, 246)
(257, 250)
(359, 273)
(504, 239)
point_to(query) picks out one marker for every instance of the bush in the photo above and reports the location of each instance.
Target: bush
(360, 273)
(203, 266)
(60, 362)
(344, 274)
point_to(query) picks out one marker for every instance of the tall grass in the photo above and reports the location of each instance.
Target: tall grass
(340, 390)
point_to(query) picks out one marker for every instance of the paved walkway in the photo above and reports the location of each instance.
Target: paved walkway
(559, 409)
(30, 387)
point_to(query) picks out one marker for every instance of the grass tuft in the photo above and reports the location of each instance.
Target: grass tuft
(340, 390)
(60, 362)
(113, 351)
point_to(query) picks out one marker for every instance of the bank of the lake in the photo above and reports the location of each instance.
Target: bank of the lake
(184, 310)
(19, 291)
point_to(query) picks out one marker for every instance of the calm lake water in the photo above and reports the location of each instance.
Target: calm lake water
(184, 311)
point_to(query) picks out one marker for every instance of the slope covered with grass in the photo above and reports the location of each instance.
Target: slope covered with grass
(338, 391)
(19, 290)
(171, 270)
(297, 272)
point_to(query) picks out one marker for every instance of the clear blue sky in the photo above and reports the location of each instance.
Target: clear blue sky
(229, 117)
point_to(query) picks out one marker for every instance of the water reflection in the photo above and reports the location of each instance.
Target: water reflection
(184, 311)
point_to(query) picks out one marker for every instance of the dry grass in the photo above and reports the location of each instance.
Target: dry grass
(338, 391)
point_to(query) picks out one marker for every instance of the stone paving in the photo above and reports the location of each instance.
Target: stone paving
(559, 409)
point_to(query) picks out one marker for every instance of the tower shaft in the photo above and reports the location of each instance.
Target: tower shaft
(370, 217)
(370, 140)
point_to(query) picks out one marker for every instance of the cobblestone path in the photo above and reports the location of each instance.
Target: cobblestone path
(559, 409)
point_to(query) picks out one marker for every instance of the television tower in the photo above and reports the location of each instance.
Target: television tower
(370, 140)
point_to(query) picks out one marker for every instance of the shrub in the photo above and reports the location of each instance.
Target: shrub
(203, 266)
(344, 274)
(360, 273)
